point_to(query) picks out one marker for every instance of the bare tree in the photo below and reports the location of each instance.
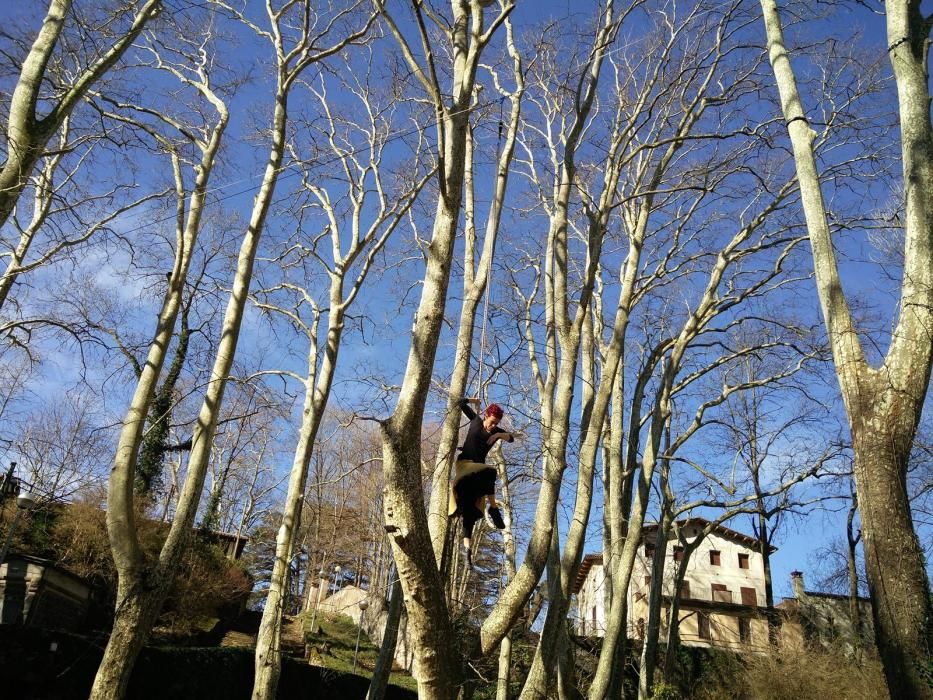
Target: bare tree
(476, 276)
(839, 566)
(242, 454)
(299, 39)
(565, 319)
(28, 133)
(640, 173)
(60, 448)
(354, 237)
(761, 424)
(51, 201)
(138, 607)
(406, 515)
(883, 402)
(745, 490)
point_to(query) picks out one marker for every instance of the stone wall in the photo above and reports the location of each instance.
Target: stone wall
(826, 618)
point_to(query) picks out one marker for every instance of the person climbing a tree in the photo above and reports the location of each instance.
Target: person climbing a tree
(473, 493)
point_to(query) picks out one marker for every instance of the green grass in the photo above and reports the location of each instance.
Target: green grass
(333, 644)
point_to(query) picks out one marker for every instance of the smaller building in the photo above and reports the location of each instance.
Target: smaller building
(36, 593)
(826, 618)
(231, 543)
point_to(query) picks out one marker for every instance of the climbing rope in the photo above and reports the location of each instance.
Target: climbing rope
(480, 388)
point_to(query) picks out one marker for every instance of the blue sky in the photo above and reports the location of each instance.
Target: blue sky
(389, 301)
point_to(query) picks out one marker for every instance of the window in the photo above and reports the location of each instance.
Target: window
(743, 561)
(640, 626)
(714, 557)
(685, 590)
(745, 630)
(749, 596)
(721, 593)
(649, 551)
(642, 594)
(678, 553)
(703, 626)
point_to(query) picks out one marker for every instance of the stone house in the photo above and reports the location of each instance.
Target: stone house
(722, 600)
(826, 618)
(36, 593)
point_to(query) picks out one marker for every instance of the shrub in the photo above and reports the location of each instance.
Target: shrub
(74, 536)
(208, 585)
(33, 671)
(664, 691)
(814, 673)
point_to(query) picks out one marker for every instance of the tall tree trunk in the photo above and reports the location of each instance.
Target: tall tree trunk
(673, 620)
(649, 649)
(565, 331)
(567, 688)
(855, 612)
(432, 634)
(505, 647)
(475, 281)
(540, 678)
(152, 451)
(764, 549)
(141, 588)
(614, 630)
(900, 593)
(429, 623)
(704, 312)
(380, 679)
(268, 660)
(144, 589)
(884, 403)
(620, 489)
(428, 616)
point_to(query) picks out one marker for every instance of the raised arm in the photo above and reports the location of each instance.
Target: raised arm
(465, 407)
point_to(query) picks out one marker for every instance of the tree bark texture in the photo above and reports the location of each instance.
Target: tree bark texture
(113, 675)
(380, 679)
(434, 644)
(884, 403)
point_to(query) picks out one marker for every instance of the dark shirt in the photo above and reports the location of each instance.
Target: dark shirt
(476, 445)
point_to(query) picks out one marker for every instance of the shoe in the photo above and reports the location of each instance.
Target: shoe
(494, 518)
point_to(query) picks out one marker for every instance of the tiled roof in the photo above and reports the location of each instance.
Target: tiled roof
(729, 533)
(591, 560)
(588, 561)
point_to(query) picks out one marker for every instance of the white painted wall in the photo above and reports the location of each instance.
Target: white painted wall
(591, 612)
(701, 574)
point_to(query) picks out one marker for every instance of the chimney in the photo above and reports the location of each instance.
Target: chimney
(796, 582)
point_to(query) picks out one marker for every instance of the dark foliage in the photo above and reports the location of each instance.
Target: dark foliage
(33, 672)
